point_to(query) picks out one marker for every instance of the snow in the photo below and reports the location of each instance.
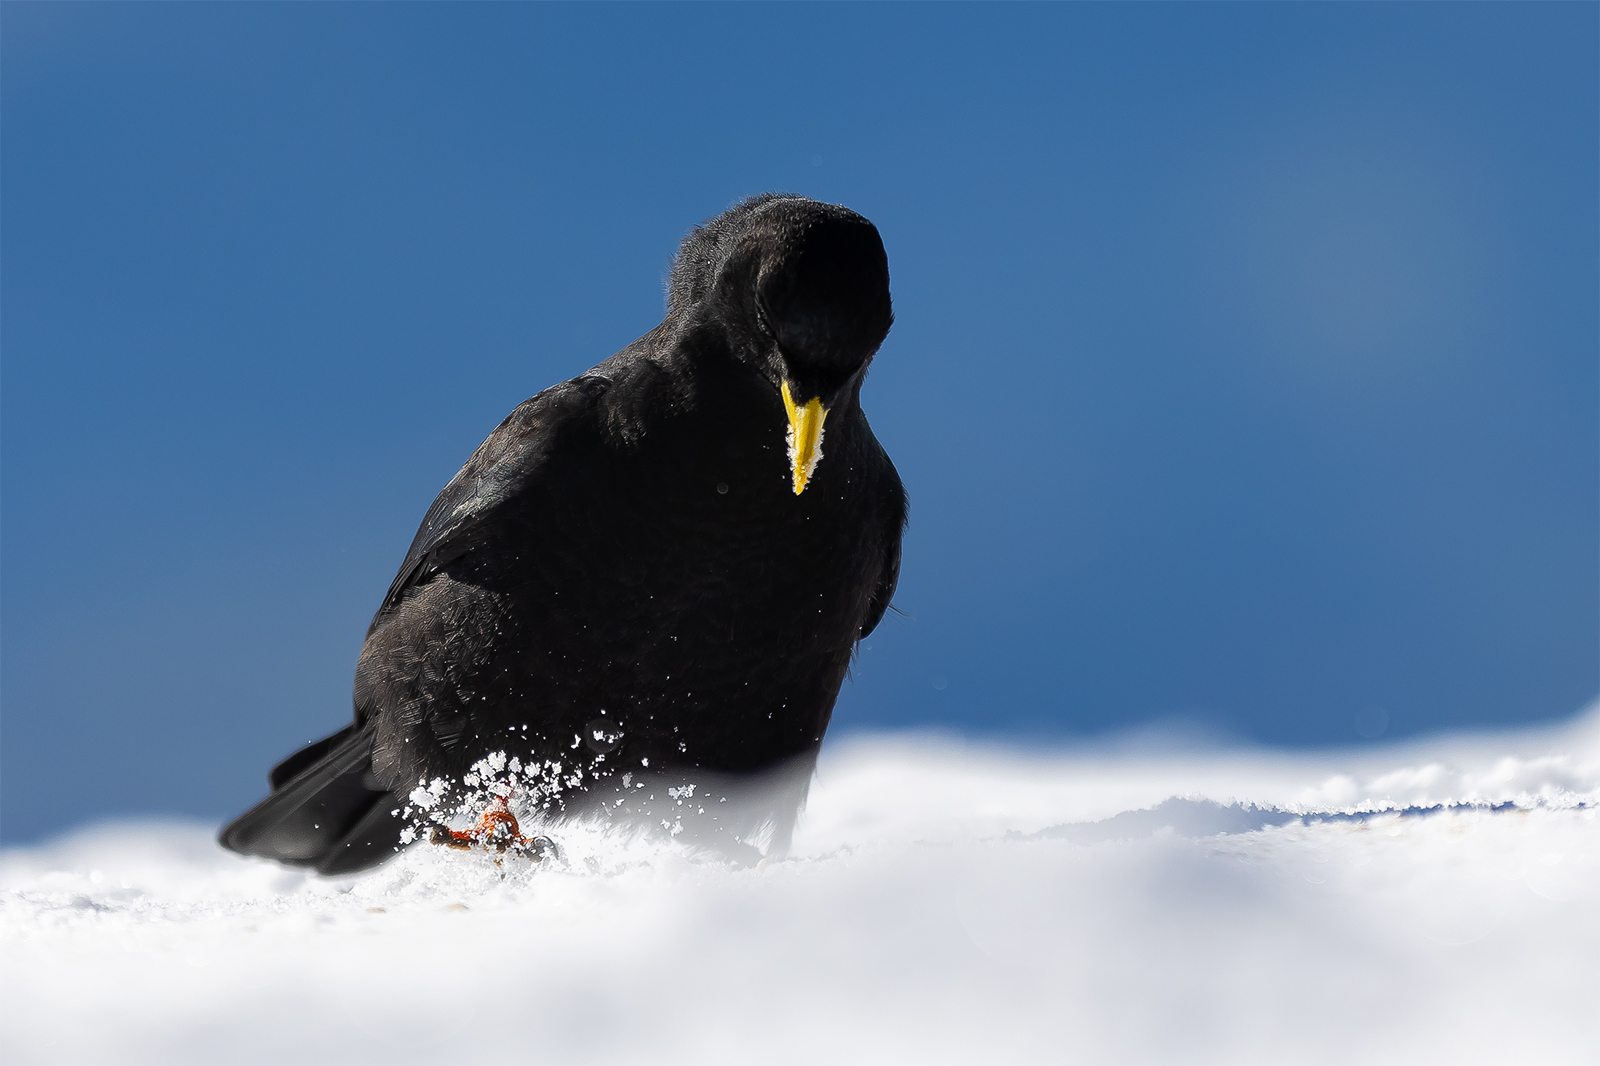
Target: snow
(1437, 901)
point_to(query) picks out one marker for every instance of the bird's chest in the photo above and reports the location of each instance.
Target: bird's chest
(697, 550)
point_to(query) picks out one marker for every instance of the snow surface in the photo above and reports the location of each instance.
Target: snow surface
(942, 903)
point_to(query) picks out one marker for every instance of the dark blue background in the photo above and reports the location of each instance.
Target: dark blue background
(1245, 368)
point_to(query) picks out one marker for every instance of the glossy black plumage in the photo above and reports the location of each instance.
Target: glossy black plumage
(628, 548)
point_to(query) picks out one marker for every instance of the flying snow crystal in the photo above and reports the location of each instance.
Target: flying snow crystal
(428, 798)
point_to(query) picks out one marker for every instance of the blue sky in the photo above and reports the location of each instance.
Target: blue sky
(1244, 373)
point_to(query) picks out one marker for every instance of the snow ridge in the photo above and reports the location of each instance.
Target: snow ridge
(943, 902)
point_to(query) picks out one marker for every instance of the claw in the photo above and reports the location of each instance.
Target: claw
(497, 829)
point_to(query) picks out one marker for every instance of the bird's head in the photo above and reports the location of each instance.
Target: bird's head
(803, 288)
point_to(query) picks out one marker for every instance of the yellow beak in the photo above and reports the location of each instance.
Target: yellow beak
(805, 436)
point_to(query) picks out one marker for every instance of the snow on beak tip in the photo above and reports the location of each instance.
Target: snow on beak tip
(805, 436)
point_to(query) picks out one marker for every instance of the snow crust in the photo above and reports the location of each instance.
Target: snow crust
(1431, 902)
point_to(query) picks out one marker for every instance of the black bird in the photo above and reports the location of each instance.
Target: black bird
(652, 577)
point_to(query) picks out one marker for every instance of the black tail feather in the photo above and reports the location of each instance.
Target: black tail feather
(290, 768)
(325, 811)
(374, 838)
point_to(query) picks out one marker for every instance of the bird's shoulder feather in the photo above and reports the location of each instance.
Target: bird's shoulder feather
(516, 454)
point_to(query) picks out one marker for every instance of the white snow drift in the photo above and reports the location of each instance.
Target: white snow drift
(1433, 902)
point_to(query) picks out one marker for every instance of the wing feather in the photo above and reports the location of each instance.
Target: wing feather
(500, 469)
(893, 521)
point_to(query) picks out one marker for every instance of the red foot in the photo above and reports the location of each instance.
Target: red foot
(497, 828)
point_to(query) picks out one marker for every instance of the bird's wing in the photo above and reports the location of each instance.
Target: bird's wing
(884, 592)
(893, 524)
(504, 464)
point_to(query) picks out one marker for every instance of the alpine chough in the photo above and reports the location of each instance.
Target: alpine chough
(647, 583)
